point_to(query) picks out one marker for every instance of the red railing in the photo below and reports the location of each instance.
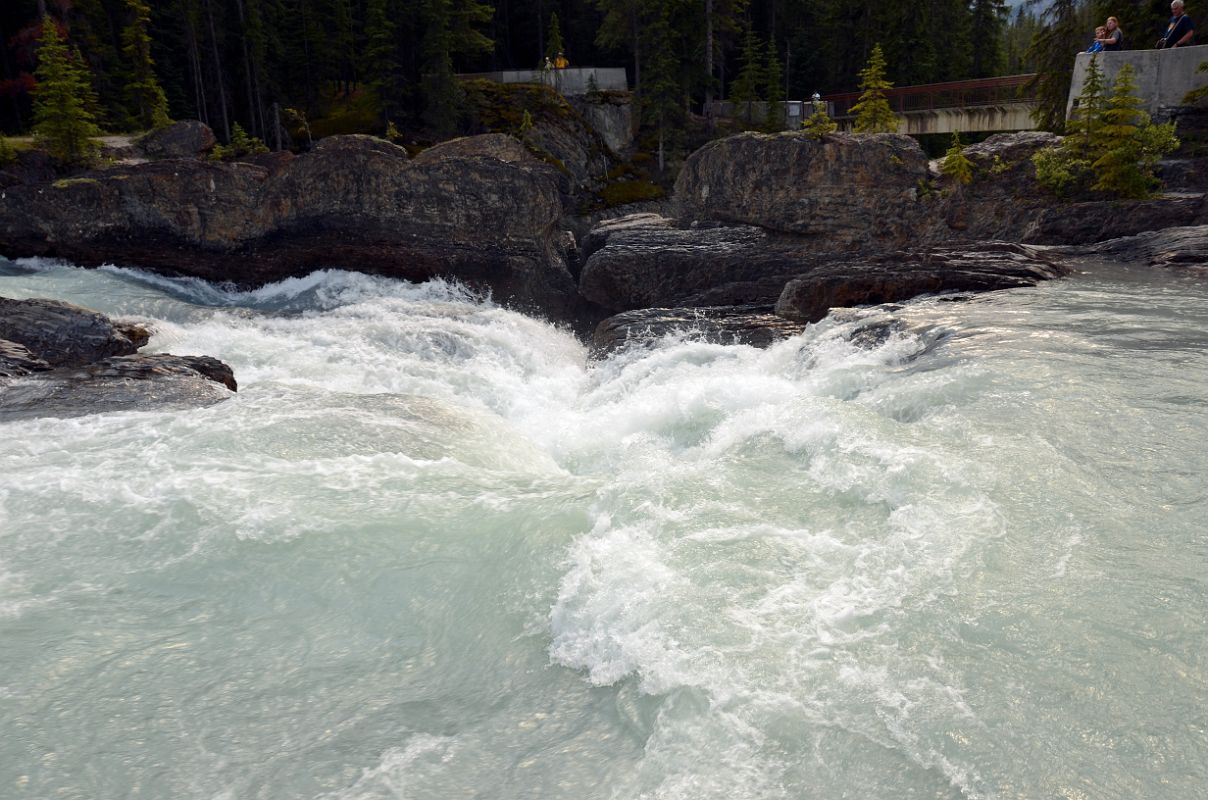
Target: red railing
(954, 94)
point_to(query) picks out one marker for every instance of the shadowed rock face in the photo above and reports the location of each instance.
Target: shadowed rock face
(1184, 248)
(893, 277)
(481, 210)
(58, 359)
(185, 139)
(840, 191)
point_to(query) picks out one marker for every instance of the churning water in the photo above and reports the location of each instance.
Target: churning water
(427, 551)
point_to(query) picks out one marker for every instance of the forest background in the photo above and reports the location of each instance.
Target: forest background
(359, 65)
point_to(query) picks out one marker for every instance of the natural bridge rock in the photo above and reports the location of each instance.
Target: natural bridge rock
(480, 210)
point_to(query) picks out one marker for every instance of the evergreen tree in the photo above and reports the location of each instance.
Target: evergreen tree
(443, 99)
(773, 90)
(745, 88)
(554, 45)
(147, 102)
(819, 123)
(381, 65)
(663, 97)
(957, 165)
(1087, 114)
(1128, 145)
(62, 122)
(621, 27)
(986, 38)
(873, 114)
(1052, 51)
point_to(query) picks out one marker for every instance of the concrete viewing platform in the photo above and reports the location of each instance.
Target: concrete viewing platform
(1163, 77)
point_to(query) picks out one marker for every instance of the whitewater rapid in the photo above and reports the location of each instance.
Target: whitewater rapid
(429, 550)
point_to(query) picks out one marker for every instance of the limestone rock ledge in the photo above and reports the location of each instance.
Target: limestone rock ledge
(481, 210)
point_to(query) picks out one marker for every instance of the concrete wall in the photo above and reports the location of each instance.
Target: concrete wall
(572, 80)
(1163, 76)
(974, 119)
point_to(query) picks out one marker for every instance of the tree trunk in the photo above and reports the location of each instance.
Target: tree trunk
(708, 56)
(637, 50)
(222, 104)
(199, 89)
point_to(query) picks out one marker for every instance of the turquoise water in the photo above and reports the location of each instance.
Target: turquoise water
(427, 551)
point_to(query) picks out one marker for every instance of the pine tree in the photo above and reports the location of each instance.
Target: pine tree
(986, 38)
(819, 124)
(147, 102)
(873, 114)
(62, 122)
(1126, 150)
(381, 65)
(1052, 52)
(554, 46)
(773, 90)
(745, 88)
(663, 97)
(1087, 115)
(957, 165)
(443, 99)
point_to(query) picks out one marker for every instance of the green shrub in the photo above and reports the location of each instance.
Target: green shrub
(625, 192)
(957, 165)
(819, 124)
(1112, 145)
(241, 145)
(8, 154)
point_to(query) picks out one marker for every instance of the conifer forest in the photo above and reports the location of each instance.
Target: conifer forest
(344, 66)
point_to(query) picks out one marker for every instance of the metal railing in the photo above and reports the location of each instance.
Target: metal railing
(953, 94)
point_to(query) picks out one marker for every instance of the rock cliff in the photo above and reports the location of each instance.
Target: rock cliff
(482, 210)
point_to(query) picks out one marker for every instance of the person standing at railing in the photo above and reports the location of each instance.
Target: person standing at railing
(1114, 37)
(1180, 30)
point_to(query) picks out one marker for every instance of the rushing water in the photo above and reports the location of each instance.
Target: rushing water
(427, 551)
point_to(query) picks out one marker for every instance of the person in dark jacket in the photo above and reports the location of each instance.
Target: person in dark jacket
(1180, 30)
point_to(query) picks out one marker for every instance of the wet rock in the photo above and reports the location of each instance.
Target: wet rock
(66, 335)
(647, 262)
(1180, 248)
(751, 325)
(120, 383)
(894, 277)
(59, 359)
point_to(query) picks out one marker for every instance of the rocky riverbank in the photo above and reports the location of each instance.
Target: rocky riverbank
(764, 233)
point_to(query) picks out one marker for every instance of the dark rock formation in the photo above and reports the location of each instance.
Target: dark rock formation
(479, 210)
(893, 277)
(841, 191)
(645, 262)
(753, 325)
(185, 139)
(1179, 248)
(66, 335)
(58, 359)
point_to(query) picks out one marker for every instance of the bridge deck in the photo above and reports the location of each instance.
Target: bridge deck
(953, 94)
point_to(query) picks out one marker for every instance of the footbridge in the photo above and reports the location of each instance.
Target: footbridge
(984, 105)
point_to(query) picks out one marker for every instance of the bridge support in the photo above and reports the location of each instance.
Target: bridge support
(1163, 76)
(974, 119)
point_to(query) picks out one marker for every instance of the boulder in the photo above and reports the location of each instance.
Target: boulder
(645, 261)
(841, 191)
(894, 277)
(66, 335)
(477, 210)
(185, 139)
(59, 359)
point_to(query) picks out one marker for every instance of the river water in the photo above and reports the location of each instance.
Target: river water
(429, 551)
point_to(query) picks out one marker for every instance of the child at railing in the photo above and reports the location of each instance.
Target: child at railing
(1097, 45)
